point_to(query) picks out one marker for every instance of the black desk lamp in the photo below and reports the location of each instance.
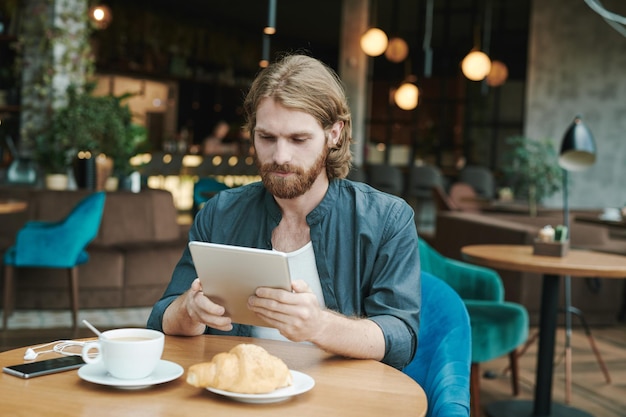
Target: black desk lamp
(578, 152)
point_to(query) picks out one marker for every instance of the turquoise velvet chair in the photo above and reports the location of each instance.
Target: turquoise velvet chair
(498, 326)
(59, 244)
(203, 189)
(441, 364)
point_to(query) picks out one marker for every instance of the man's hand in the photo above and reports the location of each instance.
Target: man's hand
(192, 311)
(297, 315)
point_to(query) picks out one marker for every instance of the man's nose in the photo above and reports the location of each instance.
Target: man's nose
(282, 152)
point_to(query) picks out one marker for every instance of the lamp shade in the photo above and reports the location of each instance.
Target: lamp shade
(397, 50)
(406, 96)
(498, 74)
(578, 149)
(100, 16)
(374, 42)
(476, 65)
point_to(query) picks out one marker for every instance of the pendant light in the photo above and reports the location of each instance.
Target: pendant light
(374, 42)
(397, 50)
(268, 31)
(476, 65)
(100, 16)
(406, 96)
(498, 74)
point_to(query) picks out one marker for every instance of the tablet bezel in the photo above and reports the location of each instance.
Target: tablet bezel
(230, 275)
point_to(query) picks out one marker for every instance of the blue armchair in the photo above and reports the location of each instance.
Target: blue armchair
(55, 245)
(441, 364)
(204, 189)
(498, 326)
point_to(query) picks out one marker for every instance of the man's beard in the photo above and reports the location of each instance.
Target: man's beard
(295, 185)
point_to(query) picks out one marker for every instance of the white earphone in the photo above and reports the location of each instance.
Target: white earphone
(59, 347)
(30, 354)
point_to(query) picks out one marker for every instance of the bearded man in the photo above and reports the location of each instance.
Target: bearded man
(353, 252)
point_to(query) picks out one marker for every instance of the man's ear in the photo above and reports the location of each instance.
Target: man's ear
(335, 134)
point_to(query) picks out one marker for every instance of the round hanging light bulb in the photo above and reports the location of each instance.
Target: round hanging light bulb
(100, 16)
(374, 42)
(406, 96)
(498, 74)
(397, 50)
(476, 65)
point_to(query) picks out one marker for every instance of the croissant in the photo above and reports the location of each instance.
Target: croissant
(245, 369)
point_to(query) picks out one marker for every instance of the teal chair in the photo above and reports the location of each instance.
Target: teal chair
(59, 244)
(204, 189)
(498, 326)
(441, 364)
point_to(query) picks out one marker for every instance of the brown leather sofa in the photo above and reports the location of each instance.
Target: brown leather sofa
(131, 259)
(600, 299)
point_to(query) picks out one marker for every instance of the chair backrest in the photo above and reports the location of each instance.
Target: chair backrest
(87, 216)
(464, 197)
(357, 174)
(480, 178)
(204, 189)
(442, 200)
(471, 282)
(60, 244)
(441, 364)
(387, 178)
(422, 179)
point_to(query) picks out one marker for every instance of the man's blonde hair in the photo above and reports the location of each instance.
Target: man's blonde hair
(302, 83)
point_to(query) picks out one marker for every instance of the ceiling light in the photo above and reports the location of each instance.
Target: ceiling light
(374, 42)
(397, 50)
(270, 29)
(406, 96)
(476, 65)
(100, 16)
(498, 74)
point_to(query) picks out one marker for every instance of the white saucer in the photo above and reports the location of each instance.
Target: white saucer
(165, 371)
(301, 383)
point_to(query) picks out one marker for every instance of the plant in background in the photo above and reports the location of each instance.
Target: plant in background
(98, 124)
(531, 169)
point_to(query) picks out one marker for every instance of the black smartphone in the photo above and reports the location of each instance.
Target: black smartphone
(45, 367)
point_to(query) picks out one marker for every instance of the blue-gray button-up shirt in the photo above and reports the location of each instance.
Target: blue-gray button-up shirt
(366, 253)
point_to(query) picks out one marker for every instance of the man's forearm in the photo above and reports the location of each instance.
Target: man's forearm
(354, 338)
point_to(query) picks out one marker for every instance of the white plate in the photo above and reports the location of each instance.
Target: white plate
(301, 384)
(165, 371)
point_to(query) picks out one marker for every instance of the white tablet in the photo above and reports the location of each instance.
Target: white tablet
(230, 275)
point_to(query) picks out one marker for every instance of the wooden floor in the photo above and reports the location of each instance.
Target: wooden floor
(590, 392)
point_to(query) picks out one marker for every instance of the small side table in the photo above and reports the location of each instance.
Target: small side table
(577, 263)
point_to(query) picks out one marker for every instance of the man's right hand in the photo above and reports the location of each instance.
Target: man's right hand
(192, 311)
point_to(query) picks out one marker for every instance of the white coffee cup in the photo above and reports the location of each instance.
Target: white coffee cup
(127, 353)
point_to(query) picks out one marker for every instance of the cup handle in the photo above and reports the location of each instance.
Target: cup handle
(85, 353)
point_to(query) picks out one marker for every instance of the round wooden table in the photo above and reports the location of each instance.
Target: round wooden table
(343, 387)
(577, 263)
(12, 206)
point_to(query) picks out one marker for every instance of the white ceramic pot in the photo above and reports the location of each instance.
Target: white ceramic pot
(56, 181)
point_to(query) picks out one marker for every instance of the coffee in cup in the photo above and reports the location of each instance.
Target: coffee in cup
(126, 353)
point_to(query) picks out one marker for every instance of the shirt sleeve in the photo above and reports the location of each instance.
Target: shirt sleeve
(182, 277)
(394, 302)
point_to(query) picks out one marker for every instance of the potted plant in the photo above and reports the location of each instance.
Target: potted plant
(531, 169)
(92, 125)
